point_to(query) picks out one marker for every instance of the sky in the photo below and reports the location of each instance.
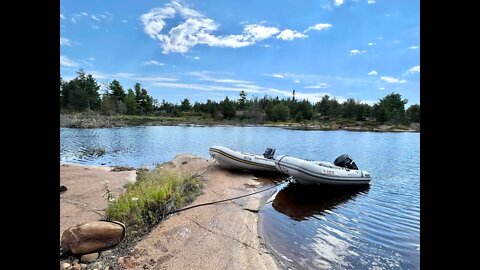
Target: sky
(360, 49)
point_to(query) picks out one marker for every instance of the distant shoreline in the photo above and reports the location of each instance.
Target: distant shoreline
(100, 121)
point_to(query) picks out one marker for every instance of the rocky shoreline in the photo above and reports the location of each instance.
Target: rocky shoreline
(99, 121)
(223, 235)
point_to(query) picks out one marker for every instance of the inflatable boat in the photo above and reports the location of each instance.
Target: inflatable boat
(232, 159)
(343, 171)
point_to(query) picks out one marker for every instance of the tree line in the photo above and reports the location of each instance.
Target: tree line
(82, 94)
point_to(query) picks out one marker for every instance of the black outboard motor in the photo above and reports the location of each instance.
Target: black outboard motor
(269, 152)
(345, 161)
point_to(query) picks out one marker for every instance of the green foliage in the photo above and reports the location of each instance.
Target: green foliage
(227, 108)
(280, 112)
(131, 102)
(299, 117)
(413, 113)
(154, 194)
(185, 105)
(391, 108)
(242, 100)
(81, 94)
(116, 90)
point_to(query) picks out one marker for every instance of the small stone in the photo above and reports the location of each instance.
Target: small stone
(106, 268)
(120, 260)
(83, 265)
(184, 162)
(76, 267)
(145, 266)
(89, 257)
(63, 188)
(65, 265)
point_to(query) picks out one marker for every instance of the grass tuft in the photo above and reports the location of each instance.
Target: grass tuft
(154, 194)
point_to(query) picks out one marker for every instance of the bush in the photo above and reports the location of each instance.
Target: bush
(155, 193)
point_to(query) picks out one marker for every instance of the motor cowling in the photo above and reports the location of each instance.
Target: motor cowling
(269, 152)
(345, 161)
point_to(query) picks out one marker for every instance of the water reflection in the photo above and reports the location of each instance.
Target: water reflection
(300, 202)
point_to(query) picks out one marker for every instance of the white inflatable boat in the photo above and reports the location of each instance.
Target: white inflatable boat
(232, 159)
(321, 172)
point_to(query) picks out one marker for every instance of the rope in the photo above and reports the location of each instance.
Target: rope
(220, 201)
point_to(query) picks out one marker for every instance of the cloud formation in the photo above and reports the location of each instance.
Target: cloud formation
(415, 69)
(196, 29)
(67, 62)
(318, 27)
(154, 63)
(318, 86)
(356, 52)
(339, 2)
(373, 73)
(391, 80)
(288, 34)
(65, 41)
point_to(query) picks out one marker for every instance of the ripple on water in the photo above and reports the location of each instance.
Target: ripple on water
(314, 228)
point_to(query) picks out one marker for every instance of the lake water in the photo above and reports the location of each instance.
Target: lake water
(375, 227)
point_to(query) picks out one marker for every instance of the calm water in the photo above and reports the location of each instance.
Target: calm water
(377, 227)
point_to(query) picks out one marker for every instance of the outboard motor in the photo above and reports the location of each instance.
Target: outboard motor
(345, 161)
(269, 152)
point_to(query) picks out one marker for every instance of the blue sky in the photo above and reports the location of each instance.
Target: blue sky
(361, 49)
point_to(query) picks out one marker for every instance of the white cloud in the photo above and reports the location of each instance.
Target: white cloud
(318, 86)
(260, 32)
(73, 20)
(216, 77)
(371, 44)
(373, 73)
(204, 87)
(318, 27)
(280, 76)
(382, 88)
(415, 69)
(91, 59)
(84, 14)
(338, 2)
(95, 18)
(356, 52)
(196, 58)
(153, 62)
(288, 34)
(413, 47)
(67, 62)
(196, 29)
(62, 16)
(297, 81)
(124, 21)
(371, 2)
(130, 76)
(65, 41)
(380, 38)
(391, 80)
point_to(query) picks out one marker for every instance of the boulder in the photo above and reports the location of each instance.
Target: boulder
(92, 236)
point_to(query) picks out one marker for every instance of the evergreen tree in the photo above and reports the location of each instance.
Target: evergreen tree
(185, 105)
(131, 102)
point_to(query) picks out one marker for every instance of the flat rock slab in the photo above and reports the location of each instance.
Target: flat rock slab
(219, 236)
(82, 201)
